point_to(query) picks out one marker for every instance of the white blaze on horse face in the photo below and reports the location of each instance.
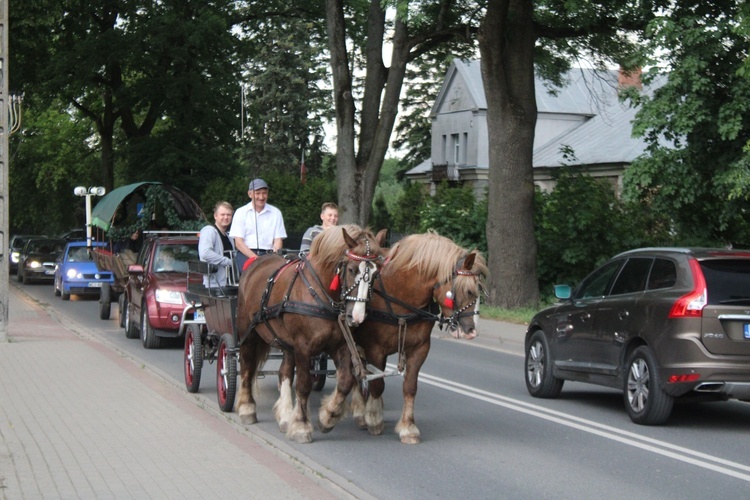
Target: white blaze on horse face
(358, 312)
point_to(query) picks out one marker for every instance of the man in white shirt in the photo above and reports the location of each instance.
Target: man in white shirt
(257, 228)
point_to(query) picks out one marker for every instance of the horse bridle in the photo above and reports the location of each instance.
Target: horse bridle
(452, 321)
(367, 268)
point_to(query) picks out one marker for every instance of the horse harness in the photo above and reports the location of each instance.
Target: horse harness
(325, 307)
(431, 312)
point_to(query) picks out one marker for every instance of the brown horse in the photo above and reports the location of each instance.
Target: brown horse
(424, 274)
(288, 305)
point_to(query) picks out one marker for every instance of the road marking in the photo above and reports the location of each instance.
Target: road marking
(703, 460)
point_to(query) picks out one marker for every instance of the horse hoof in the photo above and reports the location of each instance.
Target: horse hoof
(360, 421)
(248, 419)
(375, 430)
(323, 429)
(301, 437)
(283, 427)
(410, 439)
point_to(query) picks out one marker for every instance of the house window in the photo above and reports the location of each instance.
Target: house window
(445, 149)
(456, 149)
(465, 148)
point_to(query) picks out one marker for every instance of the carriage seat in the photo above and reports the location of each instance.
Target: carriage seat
(200, 267)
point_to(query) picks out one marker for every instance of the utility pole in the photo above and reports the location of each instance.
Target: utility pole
(4, 171)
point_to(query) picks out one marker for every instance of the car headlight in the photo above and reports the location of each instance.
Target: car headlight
(34, 264)
(72, 273)
(168, 296)
(14, 256)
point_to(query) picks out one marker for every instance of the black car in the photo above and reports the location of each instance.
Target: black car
(661, 324)
(37, 259)
(16, 244)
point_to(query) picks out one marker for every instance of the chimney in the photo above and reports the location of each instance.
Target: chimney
(630, 78)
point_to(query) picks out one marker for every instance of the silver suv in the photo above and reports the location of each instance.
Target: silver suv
(658, 323)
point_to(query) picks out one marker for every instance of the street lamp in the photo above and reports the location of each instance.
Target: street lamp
(88, 193)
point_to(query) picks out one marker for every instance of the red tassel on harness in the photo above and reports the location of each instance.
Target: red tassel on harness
(335, 283)
(449, 300)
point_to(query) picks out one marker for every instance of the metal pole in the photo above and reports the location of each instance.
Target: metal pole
(4, 171)
(88, 219)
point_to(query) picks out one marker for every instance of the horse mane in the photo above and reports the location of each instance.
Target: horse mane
(328, 247)
(434, 257)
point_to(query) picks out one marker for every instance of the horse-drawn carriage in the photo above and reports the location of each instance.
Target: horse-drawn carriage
(209, 328)
(346, 299)
(124, 216)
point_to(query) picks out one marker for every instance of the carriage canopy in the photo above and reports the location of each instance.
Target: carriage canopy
(125, 201)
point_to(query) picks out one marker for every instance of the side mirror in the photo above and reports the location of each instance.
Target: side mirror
(136, 269)
(562, 291)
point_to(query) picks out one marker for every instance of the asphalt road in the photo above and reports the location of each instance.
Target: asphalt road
(484, 436)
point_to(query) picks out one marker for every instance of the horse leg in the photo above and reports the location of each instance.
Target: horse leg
(406, 427)
(284, 407)
(358, 407)
(300, 429)
(374, 407)
(249, 352)
(333, 406)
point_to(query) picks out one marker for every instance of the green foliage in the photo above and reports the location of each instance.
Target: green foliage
(581, 223)
(455, 213)
(406, 216)
(50, 156)
(697, 167)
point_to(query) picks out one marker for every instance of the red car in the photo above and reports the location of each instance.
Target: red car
(155, 290)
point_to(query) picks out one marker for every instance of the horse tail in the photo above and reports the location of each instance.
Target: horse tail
(260, 353)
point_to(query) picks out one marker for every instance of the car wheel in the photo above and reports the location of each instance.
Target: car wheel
(319, 364)
(539, 379)
(57, 290)
(193, 358)
(19, 276)
(105, 300)
(121, 309)
(64, 295)
(131, 331)
(148, 337)
(226, 373)
(645, 400)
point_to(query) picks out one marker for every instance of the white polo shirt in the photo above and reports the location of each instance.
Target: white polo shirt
(258, 229)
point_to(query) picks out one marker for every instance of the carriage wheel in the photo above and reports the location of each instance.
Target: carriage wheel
(122, 306)
(193, 358)
(320, 365)
(148, 336)
(130, 330)
(226, 373)
(105, 297)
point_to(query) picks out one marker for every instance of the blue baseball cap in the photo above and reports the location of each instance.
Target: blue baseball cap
(257, 184)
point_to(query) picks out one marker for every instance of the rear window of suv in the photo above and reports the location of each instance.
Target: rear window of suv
(727, 281)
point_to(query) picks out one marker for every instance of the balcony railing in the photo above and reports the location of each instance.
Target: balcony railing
(444, 172)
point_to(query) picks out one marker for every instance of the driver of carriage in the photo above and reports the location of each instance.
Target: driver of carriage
(329, 215)
(258, 227)
(215, 246)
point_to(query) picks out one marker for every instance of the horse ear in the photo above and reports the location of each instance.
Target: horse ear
(380, 237)
(348, 239)
(469, 261)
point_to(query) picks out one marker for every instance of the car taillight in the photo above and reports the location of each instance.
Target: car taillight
(676, 379)
(691, 304)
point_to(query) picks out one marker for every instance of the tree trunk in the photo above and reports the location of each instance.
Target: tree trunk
(358, 171)
(506, 43)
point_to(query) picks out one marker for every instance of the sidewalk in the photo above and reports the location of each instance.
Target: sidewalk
(78, 420)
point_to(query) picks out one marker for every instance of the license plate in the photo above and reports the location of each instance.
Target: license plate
(747, 331)
(95, 284)
(199, 316)
(49, 272)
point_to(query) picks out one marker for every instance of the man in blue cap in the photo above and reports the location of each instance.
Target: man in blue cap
(257, 228)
